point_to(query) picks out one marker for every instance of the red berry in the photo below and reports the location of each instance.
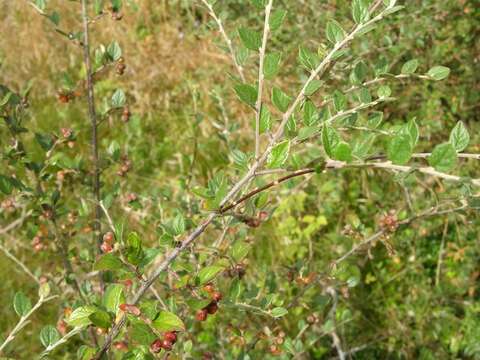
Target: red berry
(217, 296)
(170, 336)
(120, 345)
(108, 237)
(106, 247)
(156, 346)
(209, 288)
(130, 309)
(167, 345)
(201, 315)
(212, 307)
(66, 132)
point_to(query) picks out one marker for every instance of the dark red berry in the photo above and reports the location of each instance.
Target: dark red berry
(201, 315)
(167, 345)
(212, 307)
(156, 346)
(170, 336)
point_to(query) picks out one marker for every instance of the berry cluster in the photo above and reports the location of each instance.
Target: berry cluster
(212, 307)
(125, 168)
(107, 244)
(169, 339)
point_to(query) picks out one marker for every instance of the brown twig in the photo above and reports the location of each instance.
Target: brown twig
(93, 120)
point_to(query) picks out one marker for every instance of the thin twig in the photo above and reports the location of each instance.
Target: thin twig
(440, 254)
(93, 120)
(225, 38)
(24, 321)
(261, 77)
(333, 312)
(19, 263)
(61, 341)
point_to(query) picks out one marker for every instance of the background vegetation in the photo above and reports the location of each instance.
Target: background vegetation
(414, 295)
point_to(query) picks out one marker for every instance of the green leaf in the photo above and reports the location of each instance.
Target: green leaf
(272, 65)
(359, 73)
(113, 297)
(49, 335)
(310, 115)
(247, 94)
(101, 319)
(335, 32)
(362, 146)
(279, 155)
(6, 185)
(459, 137)
(364, 95)
(98, 6)
(44, 140)
(80, 316)
(279, 312)
(330, 139)
(265, 119)
(5, 99)
(342, 152)
(411, 130)
(141, 333)
(209, 273)
(118, 99)
(439, 72)
(251, 39)
(21, 304)
(167, 321)
(109, 262)
(240, 158)
(179, 224)
(443, 157)
(360, 11)
(276, 19)
(308, 59)
(375, 119)
(239, 250)
(134, 251)
(384, 91)
(313, 87)
(399, 150)
(410, 67)
(339, 101)
(114, 51)
(280, 99)
(41, 4)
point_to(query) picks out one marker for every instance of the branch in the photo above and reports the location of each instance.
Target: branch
(61, 341)
(24, 321)
(319, 71)
(376, 81)
(225, 38)
(258, 105)
(19, 263)
(93, 120)
(336, 340)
